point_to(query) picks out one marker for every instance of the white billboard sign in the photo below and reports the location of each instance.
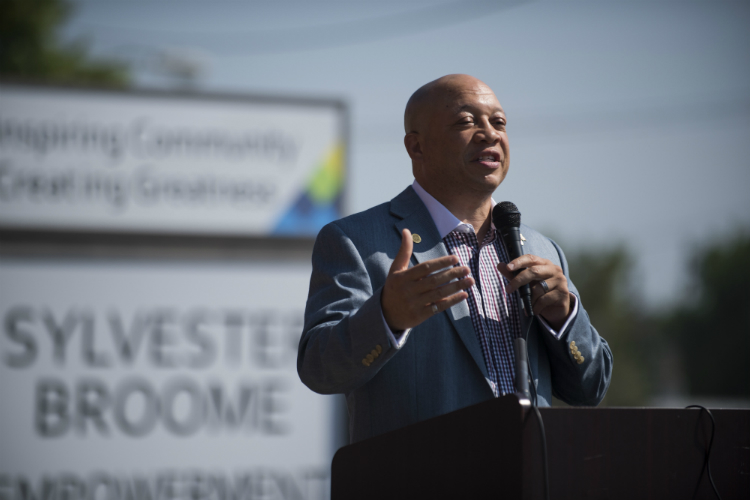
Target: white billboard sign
(155, 381)
(92, 160)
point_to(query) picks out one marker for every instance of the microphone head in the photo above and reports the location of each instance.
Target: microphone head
(506, 214)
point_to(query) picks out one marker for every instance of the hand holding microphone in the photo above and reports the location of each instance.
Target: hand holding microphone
(526, 273)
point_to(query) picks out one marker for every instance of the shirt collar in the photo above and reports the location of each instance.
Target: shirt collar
(444, 220)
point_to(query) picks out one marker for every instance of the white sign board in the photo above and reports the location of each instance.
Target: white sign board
(155, 162)
(138, 381)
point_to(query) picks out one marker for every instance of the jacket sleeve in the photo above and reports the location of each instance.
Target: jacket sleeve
(585, 383)
(343, 319)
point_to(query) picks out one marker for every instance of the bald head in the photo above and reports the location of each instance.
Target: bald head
(441, 92)
(456, 139)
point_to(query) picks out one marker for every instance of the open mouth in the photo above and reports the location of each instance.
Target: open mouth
(489, 159)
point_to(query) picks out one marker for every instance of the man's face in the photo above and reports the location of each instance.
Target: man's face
(464, 144)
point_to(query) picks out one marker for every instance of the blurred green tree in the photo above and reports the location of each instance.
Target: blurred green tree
(604, 279)
(700, 347)
(30, 48)
(712, 327)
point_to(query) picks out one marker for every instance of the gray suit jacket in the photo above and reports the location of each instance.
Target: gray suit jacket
(440, 368)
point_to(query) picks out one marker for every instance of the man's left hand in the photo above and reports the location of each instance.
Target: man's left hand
(554, 305)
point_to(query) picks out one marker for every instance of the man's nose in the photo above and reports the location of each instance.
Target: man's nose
(487, 132)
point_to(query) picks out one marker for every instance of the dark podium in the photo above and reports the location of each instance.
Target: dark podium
(494, 450)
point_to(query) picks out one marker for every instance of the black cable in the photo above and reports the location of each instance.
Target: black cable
(534, 400)
(544, 451)
(538, 416)
(544, 447)
(707, 463)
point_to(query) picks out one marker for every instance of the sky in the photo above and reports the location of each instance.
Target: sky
(629, 122)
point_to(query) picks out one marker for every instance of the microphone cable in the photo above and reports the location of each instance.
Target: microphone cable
(544, 450)
(538, 415)
(707, 463)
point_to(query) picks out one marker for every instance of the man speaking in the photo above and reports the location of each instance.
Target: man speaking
(411, 311)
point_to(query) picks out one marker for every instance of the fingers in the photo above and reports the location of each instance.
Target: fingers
(401, 262)
(440, 279)
(409, 293)
(442, 304)
(529, 268)
(503, 268)
(533, 275)
(431, 266)
(449, 301)
(408, 312)
(536, 269)
(425, 311)
(527, 260)
(554, 304)
(437, 294)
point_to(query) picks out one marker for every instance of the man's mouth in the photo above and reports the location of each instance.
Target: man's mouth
(491, 160)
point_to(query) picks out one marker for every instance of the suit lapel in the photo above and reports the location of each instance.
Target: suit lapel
(417, 219)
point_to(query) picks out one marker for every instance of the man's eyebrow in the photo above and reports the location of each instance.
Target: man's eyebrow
(469, 107)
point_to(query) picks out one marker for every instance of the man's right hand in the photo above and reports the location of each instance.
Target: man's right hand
(409, 294)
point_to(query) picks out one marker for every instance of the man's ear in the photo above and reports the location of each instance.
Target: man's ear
(413, 146)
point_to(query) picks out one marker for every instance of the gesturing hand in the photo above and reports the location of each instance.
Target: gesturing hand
(554, 305)
(409, 294)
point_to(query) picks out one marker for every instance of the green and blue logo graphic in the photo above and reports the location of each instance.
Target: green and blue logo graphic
(321, 200)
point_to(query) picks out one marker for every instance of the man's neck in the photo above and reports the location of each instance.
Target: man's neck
(471, 208)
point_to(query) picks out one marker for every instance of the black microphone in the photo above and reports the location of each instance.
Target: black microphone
(507, 220)
(522, 378)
